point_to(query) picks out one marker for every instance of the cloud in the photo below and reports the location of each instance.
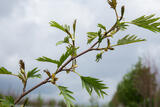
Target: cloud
(7, 7)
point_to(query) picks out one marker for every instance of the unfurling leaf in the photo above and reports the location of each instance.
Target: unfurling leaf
(90, 84)
(102, 27)
(33, 73)
(5, 71)
(74, 26)
(45, 59)
(57, 25)
(67, 95)
(100, 36)
(91, 36)
(148, 22)
(67, 27)
(112, 3)
(129, 39)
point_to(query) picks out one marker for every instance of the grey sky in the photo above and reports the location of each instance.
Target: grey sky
(25, 34)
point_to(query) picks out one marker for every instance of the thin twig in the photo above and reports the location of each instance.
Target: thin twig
(24, 87)
(116, 13)
(98, 49)
(33, 88)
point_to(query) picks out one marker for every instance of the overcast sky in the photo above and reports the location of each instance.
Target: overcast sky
(25, 34)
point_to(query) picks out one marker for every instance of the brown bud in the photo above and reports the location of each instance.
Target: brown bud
(106, 49)
(122, 12)
(22, 65)
(47, 72)
(110, 48)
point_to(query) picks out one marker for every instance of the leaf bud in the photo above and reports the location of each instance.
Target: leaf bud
(22, 65)
(22, 71)
(122, 12)
(110, 48)
(106, 49)
(75, 66)
(108, 43)
(52, 81)
(74, 25)
(47, 72)
(53, 76)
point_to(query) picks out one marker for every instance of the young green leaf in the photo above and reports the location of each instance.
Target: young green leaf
(100, 36)
(66, 40)
(65, 56)
(129, 39)
(67, 95)
(45, 59)
(91, 36)
(95, 84)
(99, 57)
(102, 27)
(4, 71)
(122, 25)
(65, 28)
(8, 101)
(57, 25)
(33, 73)
(61, 60)
(59, 43)
(148, 22)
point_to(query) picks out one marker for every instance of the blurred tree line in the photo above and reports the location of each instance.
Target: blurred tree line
(139, 87)
(40, 102)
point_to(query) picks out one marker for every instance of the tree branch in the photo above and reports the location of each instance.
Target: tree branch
(33, 88)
